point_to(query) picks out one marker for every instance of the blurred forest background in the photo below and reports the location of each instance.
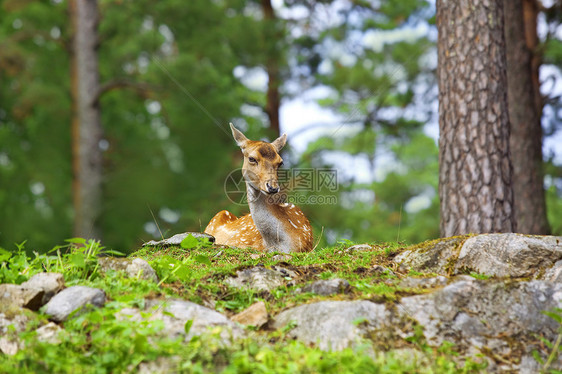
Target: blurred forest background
(352, 82)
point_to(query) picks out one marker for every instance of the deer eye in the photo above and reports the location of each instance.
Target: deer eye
(252, 160)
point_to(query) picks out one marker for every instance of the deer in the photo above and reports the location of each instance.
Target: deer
(272, 225)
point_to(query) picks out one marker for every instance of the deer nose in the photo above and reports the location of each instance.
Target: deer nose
(270, 189)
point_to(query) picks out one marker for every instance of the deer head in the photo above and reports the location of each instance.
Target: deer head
(261, 161)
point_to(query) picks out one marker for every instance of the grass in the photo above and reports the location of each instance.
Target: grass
(99, 342)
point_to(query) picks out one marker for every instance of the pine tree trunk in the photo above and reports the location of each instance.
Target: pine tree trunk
(86, 124)
(474, 159)
(525, 119)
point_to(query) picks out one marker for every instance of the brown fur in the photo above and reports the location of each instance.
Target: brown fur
(281, 227)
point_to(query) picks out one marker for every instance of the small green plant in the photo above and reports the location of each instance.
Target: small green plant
(555, 348)
(476, 275)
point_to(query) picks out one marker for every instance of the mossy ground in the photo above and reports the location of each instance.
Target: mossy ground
(98, 342)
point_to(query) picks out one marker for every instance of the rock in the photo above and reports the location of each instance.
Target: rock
(134, 268)
(8, 346)
(18, 322)
(257, 278)
(50, 283)
(432, 256)
(433, 282)
(509, 255)
(178, 238)
(328, 287)
(175, 313)
(497, 318)
(284, 257)
(140, 268)
(167, 364)
(113, 263)
(255, 315)
(378, 269)
(71, 299)
(49, 333)
(285, 272)
(13, 320)
(502, 317)
(21, 296)
(359, 248)
(333, 325)
(500, 255)
(554, 274)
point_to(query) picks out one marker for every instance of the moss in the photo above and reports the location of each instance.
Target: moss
(428, 245)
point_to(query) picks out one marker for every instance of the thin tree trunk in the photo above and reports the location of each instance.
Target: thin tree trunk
(272, 65)
(86, 124)
(474, 159)
(525, 117)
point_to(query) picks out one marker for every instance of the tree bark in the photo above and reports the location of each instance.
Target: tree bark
(525, 116)
(475, 171)
(273, 97)
(86, 123)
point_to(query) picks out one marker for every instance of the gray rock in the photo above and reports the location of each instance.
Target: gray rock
(71, 299)
(328, 287)
(177, 239)
(175, 313)
(134, 268)
(17, 319)
(257, 278)
(500, 255)
(379, 269)
(49, 333)
(359, 248)
(432, 282)
(554, 274)
(509, 255)
(334, 325)
(255, 315)
(113, 263)
(50, 283)
(140, 268)
(8, 346)
(499, 318)
(283, 257)
(286, 273)
(168, 364)
(503, 317)
(431, 257)
(21, 296)
(13, 320)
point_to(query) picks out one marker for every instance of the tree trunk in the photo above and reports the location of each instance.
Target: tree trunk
(86, 124)
(474, 159)
(273, 98)
(525, 117)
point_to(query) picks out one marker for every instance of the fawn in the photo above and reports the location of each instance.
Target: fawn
(270, 225)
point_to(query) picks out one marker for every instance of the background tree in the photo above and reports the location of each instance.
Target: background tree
(475, 172)
(87, 132)
(525, 110)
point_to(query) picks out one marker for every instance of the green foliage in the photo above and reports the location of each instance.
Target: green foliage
(179, 95)
(165, 129)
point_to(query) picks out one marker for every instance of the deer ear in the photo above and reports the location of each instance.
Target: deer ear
(240, 138)
(279, 143)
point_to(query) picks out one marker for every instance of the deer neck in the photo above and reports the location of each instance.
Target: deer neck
(264, 212)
